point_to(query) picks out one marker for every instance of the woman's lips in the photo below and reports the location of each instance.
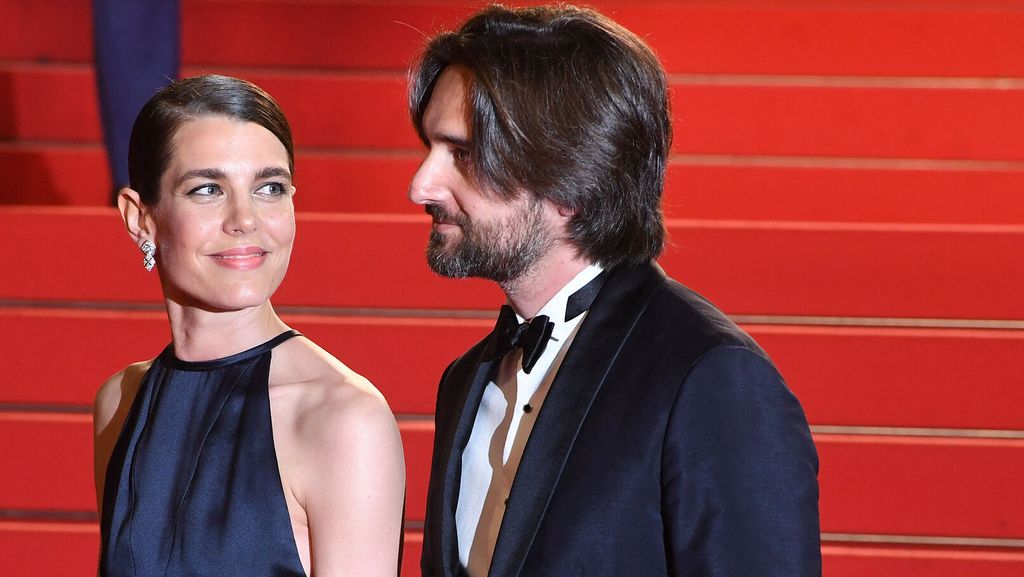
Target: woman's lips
(244, 258)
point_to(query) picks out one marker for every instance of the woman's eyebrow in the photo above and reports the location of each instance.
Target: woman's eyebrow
(273, 171)
(205, 173)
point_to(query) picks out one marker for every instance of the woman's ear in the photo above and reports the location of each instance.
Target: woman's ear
(135, 215)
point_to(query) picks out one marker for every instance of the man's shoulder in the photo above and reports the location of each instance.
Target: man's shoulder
(684, 315)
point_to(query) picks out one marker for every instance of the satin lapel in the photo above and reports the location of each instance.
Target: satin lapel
(466, 415)
(591, 355)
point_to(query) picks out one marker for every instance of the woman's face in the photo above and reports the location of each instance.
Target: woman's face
(225, 222)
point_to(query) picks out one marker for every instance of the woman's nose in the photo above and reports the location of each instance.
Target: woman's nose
(241, 217)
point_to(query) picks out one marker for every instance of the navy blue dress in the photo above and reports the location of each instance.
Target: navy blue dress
(192, 487)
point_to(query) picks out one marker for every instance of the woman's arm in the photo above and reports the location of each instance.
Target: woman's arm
(353, 485)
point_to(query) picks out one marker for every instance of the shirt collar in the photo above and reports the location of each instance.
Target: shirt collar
(555, 308)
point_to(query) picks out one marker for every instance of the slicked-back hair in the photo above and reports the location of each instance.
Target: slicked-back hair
(149, 149)
(569, 106)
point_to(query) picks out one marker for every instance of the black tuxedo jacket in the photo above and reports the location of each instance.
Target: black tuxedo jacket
(668, 444)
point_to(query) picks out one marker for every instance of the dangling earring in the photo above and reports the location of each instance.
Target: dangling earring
(148, 254)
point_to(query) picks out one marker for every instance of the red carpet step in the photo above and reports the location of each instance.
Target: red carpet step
(706, 188)
(819, 269)
(869, 484)
(42, 549)
(368, 110)
(928, 38)
(848, 376)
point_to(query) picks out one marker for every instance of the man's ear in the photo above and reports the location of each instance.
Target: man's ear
(135, 215)
(566, 212)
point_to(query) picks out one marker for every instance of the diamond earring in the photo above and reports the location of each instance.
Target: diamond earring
(148, 254)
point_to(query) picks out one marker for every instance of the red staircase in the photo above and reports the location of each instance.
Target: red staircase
(846, 181)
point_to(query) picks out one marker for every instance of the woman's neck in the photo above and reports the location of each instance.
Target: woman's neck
(202, 335)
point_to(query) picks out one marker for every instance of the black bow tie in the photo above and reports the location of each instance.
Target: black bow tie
(530, 336)
(533, 336)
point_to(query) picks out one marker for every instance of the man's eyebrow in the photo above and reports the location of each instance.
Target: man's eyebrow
(272, 172)
(458, 141)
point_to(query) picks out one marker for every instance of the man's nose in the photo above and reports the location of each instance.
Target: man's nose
(427, 185)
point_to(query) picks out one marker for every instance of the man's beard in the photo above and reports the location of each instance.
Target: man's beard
(501, 251)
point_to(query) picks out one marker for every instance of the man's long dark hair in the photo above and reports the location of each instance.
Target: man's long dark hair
(569, 106)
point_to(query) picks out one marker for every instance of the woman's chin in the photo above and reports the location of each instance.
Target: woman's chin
(224, 300)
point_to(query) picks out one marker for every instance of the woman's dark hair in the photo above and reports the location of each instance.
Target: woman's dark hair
(149, 150)
(569, 106)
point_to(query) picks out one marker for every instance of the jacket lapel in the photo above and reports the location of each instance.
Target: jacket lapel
(465, 413)
(594, 350)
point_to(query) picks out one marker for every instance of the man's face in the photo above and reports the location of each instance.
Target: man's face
(475, 232)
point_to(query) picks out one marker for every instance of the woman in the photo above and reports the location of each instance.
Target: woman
(243, 448)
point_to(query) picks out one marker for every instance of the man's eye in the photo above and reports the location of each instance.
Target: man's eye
(205, 190)
(273, 189)
(461, 155)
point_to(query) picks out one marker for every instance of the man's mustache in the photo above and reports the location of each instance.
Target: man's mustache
(442, 215)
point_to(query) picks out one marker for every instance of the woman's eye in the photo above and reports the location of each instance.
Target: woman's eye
(272, 189)
(461, 155)
(205, 190)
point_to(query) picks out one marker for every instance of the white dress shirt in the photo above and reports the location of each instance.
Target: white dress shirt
(507, 412)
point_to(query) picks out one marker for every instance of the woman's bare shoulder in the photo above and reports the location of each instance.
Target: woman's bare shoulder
(322, 382)
(117, 393)
(327, 404)
(113, 402)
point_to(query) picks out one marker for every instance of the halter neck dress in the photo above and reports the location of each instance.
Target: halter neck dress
(192, 488)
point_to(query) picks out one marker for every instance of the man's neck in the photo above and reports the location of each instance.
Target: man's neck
(533, 289)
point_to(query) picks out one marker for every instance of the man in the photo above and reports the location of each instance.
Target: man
(628, 428)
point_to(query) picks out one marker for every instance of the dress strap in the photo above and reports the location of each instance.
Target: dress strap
(279, 339)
